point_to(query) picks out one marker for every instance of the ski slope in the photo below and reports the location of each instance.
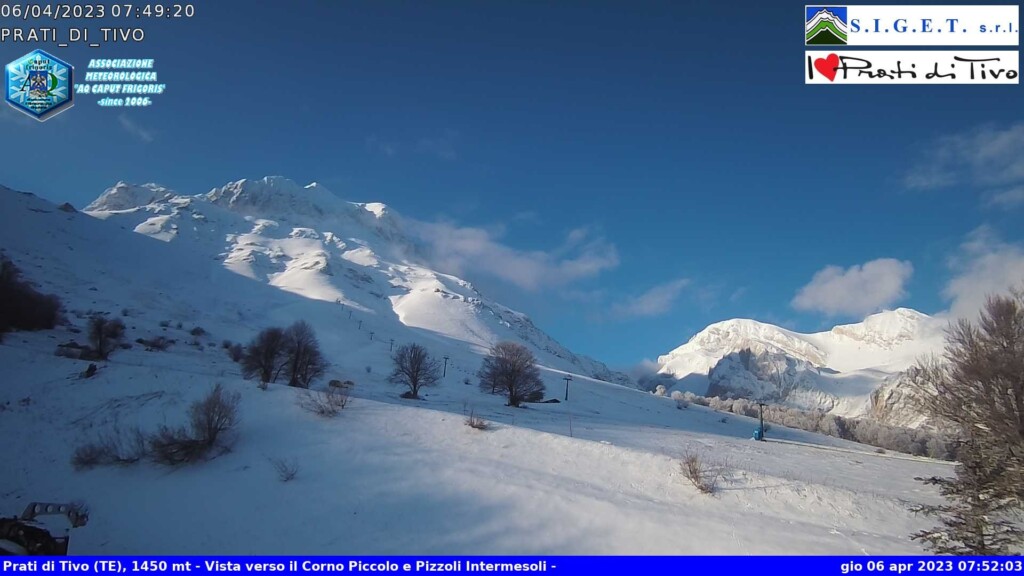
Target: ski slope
(598, 474)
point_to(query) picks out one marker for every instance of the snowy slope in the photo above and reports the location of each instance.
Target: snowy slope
(838, 371)
(308, 241)
(598, 474)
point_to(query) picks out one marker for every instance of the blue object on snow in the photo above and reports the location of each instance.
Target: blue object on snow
(758, 433)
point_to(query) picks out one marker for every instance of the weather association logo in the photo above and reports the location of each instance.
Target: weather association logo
(40, 85)
(826, 26)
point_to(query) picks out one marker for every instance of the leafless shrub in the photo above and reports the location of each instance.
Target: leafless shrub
(175, 446)
(157, 343)
(209, 420)
(75, 350)
(116, 447)
(476, 422)
(105, 334)
(704, 475)
(287, 470)
(327, 404)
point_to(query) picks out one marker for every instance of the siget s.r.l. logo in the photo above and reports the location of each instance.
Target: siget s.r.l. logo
(39, 85)
(826, 26)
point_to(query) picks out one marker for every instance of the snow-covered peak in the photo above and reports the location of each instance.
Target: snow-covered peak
(126, 196)
(378, 209)
(836, 370)
(277, 198)
(726, 337)
(873, 342)
(891, 328)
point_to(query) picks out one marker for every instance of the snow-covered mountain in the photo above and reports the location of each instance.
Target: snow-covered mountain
(597, 474)
(308, 241)
(851, 370)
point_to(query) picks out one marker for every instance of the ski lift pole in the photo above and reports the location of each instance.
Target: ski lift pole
(759, 433)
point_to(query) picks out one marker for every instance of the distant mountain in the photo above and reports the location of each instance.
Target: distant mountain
(308, 241)
(851, 370)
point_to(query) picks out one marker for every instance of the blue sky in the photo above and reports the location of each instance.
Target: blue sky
(648, 168)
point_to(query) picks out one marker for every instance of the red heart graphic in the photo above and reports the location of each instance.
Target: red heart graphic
(827, 66)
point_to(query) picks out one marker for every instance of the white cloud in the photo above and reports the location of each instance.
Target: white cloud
(657, 300)
(856, 291)
(987, 159)
(984, 265)
(644, 369)
(457, 249)
(1008, 198)
(135, 129)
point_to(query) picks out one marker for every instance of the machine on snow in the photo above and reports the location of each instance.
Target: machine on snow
(26, 535)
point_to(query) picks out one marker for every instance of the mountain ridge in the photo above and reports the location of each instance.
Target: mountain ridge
(309, 241)
(852, 370)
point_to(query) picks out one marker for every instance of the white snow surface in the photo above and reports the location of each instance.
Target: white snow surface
(598, 474)
(837, 371)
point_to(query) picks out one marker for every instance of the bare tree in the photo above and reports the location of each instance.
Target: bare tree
(978, 390)
(414, 368)
(305, 362)
(264, 357)
(511, 370)
(105, 335)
